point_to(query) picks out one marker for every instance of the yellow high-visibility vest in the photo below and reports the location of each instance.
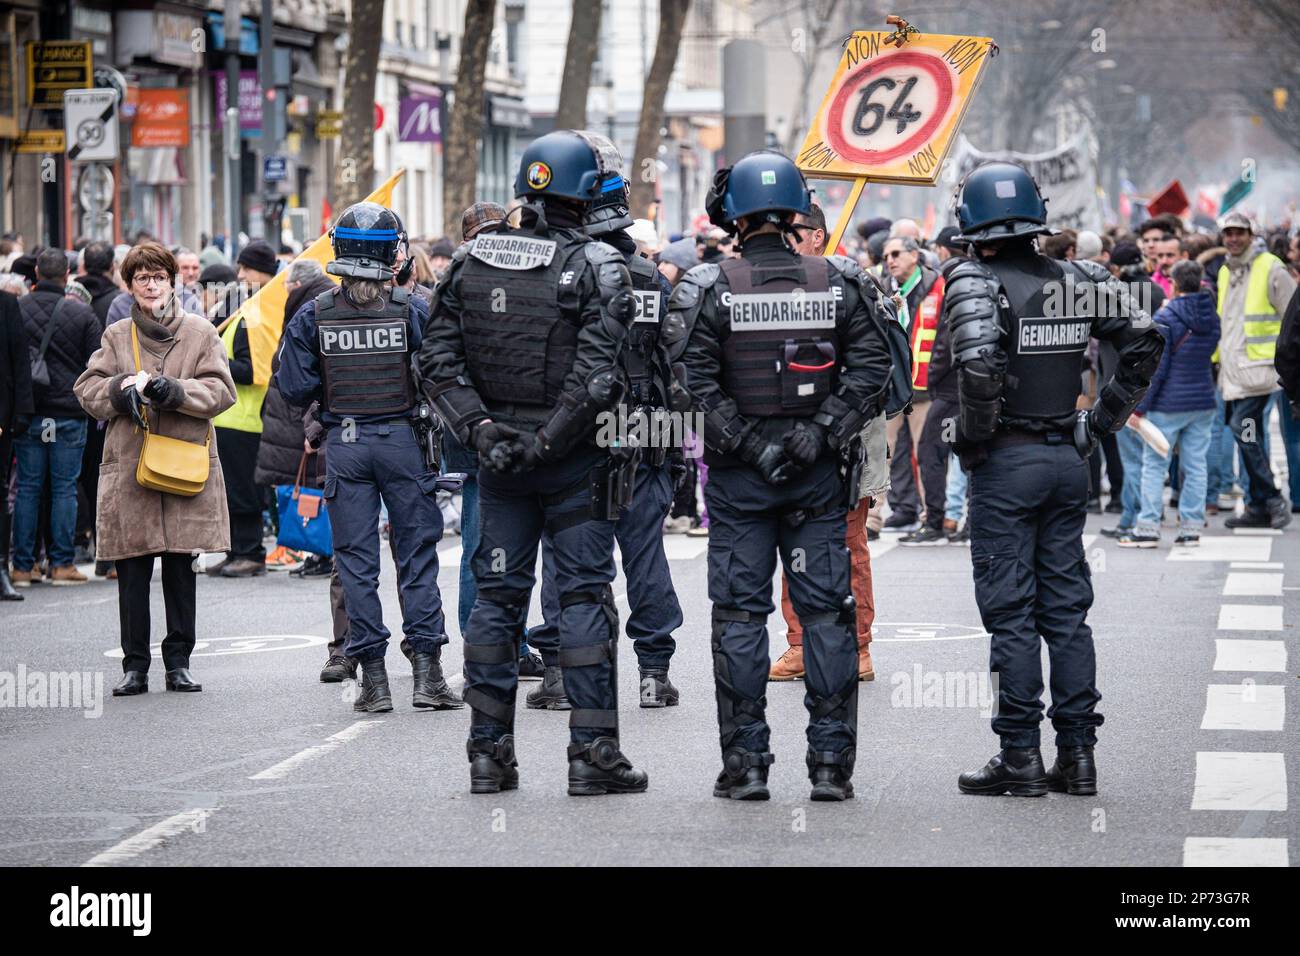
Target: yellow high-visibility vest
(246, 414)
(1262, 323)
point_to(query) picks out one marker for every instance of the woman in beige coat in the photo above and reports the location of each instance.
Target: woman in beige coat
(185, 382)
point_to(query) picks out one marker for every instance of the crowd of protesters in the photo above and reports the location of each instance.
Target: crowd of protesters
(1196, 448)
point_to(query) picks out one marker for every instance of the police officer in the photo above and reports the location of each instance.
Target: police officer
(653, 612)
(785, 358)
(1020, 323)
(521, 355)
(350, 348)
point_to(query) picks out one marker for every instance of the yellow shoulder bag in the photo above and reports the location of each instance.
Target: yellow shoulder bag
(169, 465)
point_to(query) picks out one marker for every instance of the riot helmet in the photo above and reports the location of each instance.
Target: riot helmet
(999, 200)
(365, 241)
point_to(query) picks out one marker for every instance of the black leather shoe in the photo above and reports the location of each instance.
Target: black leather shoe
(492, 764)
(600, 767)
(656, 689)
(7, 590)
(132, 683)
(338, 669)
(1075, 772)
(531, 667)
(374, 696)
(744, 775)
(180, 680)
(431, 691)
(550, 694)
(316, 566)
(830, 772)
(1016, 770)
(216, 569)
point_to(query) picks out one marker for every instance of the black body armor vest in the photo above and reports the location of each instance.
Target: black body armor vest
(643, 337)
(780, 357)
(1049, 326)
(520, 342)
(365, 354)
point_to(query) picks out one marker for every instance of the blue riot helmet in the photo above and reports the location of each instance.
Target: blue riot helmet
(764, 181)
(569, 164)
(611, 210)
(365, 241)
(999, 201)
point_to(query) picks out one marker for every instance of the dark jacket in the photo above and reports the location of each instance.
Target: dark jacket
(103, 291)
(1183, 381)
(1287, 359)
(280, 451)
(76, 337)
(16, 407)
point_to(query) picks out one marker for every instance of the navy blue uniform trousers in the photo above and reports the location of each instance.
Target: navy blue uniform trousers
(383, 460)
(514, 511)
(750, 522)
(654, 612)
(1027, 509)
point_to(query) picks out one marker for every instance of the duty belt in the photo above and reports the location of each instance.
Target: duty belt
(1021, 436)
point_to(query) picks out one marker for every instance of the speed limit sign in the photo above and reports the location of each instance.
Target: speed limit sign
(893, 108)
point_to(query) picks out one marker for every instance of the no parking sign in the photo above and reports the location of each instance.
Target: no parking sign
(893, 108)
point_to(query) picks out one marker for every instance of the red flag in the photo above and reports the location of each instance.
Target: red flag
(1170, 199)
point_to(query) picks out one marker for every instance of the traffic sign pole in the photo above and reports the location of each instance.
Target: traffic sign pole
(846, 216)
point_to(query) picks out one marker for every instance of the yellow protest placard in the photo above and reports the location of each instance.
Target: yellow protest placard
(894, 107)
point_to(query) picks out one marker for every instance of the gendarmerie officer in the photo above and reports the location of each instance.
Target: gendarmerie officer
(520, 356)
(1020, 323)
(350, 348)
(653, 609)
(785, 357)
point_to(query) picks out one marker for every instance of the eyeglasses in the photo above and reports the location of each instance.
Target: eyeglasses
(893, 255)
(151, 278)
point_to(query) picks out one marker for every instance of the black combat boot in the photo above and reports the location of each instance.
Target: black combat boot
(492, 764)
(830, 773)
(744, 775)
(431, 691)
(7, 590)
(549, 695)
(600, 767)
(1075, 772)
(374, 696)
(656, 689)
(1015, 770)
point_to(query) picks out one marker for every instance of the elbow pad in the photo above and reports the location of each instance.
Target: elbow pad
(1139, 358)
(979, 390)
(613, 283)
(972, 307)
(575, 413)
(842, 421)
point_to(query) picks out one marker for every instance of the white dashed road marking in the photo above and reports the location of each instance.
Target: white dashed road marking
(1240, 781)
(351, 732)
(194, 820)
(1249, 655)
(1242, 584)
(1244, 706)
(1235, 851)
(1250, 617)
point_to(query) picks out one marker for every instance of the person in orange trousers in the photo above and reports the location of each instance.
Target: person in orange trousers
(789, 666)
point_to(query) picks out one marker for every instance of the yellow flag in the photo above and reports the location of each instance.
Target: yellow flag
(263, 312)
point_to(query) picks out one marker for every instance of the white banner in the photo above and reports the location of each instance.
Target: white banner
(1067, 177)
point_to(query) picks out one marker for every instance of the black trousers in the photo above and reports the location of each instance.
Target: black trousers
(238, 453)
(133, 575)
(1033, 585)
(88, 483)
(903, 497)
(933, 454)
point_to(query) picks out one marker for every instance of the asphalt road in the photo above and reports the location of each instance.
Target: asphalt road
(269, 767)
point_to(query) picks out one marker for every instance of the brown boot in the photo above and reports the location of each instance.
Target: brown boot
(865, 669)
(67, 574)
(789, 666)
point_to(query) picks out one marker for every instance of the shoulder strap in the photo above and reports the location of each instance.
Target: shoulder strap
(49, 329)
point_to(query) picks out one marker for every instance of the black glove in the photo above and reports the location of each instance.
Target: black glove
(138, 411)
(500, 448)
(1085, 434)
(164, 391)
(769, 460)
(804, 444)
